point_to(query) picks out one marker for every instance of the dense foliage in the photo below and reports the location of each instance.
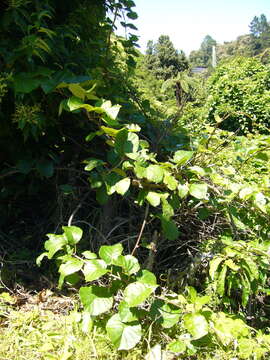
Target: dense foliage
(153, 183)
(239, 95)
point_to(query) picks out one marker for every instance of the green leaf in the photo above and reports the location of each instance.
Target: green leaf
(199, 191)
(231, 265)
(146, 277)
(122, 186)
(45, 168)
(77, 91)
(170, 181)
(74, 103)
(169, 314)
(246, 193)
(153, 198)
(94, 269)
(132, 15)
(253, 268)
(23, 83)
(136, 293)
(96, 299)
(196, 325)
(214, 264)
(87, 322)
(123, 336)
(93, 163)
(167, 209)
(54, 244)
(197, 170)
(73, 234)
(126, 143)
(126, 313)
(154, 173)
(101, 195)
(177, 346)
(192, 294)
(25, 165)
(155, 353)
(128, 263)
(221, 281)
(111, 111)
(169, 228)
(182, 190)
(182, 156)
(109, 253)
(89, 255)
(68, 268)
(111, 179)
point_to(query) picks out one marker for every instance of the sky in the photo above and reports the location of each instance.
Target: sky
(187, 22)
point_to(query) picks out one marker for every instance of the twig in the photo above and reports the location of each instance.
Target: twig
(142, 228)
(153, 250)
(76, 209)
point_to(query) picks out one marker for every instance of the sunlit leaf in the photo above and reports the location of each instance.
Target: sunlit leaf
(123, 336)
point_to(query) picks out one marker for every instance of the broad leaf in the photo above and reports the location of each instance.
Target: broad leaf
(54, 244)
(71, 266)
(221, 281)
(199, 191)
(177, 346)
(128, 263)
(136, 293)
(93, 163)
(153, 198)
(182, 190)
(154, 173)
(126, 313)
(96, 299)
(77, 91)
(109, 253)
(122, 186)
(94, 269)
(73, 234)
(182, 156)
(196, 325)
(123, 336)
(214, 264)
(166, 315)
(45, 168)
(146, 277)
(169, 228)
(89, 255)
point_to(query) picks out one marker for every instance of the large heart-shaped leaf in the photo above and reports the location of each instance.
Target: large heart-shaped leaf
(123, 336)
(70, 267)
(122, 186)
(154, 173)
(54, 244)
(109, 253)
(128, 263)
(199, 191)
(196, 325)
(73, 234)
(96, 299)
(182, 156)
(94, 269)
(136, 293)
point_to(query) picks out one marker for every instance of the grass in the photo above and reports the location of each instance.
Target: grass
(43, 335)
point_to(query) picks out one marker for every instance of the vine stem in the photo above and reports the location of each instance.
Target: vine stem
(142, 229)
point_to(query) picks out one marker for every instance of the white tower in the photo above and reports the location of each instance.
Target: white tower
(214, 56)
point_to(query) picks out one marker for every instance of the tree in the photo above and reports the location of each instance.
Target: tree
(163, 59)
(203, 56)
(260, 33)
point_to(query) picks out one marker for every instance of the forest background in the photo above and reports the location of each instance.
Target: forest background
(151, 180)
